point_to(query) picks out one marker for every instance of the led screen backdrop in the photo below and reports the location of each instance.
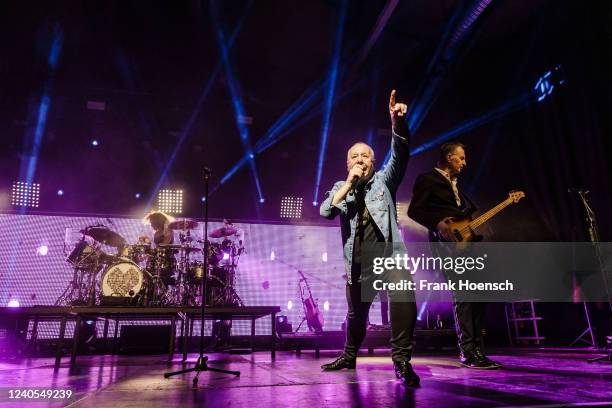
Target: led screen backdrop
(34, 271)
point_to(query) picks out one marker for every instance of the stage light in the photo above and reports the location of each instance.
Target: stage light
(546, 83)
(314, 203)
(261, 200)
(96, 105)
(272, 255)
(422, 310)
(60, 192)
(289, 305)
(94, 143)
(137, 195)
(291, 207)
(283, 325)
(87, 333)
(42, 250)
(326, 305)
(203, 199)
(13, 303)
(170, 201)
(25, 194)
(324, 257)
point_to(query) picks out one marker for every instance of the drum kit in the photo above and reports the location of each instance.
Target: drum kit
(143, 274)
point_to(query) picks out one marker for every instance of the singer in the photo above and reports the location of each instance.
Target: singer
(365, 202)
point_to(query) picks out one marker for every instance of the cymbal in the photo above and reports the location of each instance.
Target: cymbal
(104, 235)
(183, 224)
(223, 232)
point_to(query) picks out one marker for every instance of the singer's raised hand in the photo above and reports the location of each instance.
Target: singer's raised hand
(396, 110)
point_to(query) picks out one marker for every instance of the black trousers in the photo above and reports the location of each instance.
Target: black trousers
(469, 322)
(403, 318)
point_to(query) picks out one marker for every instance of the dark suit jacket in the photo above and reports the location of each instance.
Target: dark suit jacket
(433, 200)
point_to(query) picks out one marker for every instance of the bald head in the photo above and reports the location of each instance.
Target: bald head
(360, 154)
(359, 146)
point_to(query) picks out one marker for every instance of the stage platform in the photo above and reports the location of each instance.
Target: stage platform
(530, 378)
(186, 315)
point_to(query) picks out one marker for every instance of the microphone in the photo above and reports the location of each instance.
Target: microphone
(354, 184)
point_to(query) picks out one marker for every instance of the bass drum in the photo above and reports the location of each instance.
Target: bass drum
(123, 283)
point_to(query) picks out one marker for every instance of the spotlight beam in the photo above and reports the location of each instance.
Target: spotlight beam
(377, 30)
(458, 31)
(329, 95)
(304, 103)
(234, 89)
(279, 129)
(265, 143)
(27, 169)
(194, 114)
(306, 118)
(29, 161)
(493, 114)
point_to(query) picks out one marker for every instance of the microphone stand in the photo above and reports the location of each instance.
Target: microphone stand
(202, 363)
(593, 232)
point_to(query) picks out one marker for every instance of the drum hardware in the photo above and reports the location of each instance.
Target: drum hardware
(162, 266)
(136, 253)
(104, 235)
(139, 274)
(81, 290)
(87, 259)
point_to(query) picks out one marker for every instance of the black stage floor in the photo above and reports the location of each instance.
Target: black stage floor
(530, 378)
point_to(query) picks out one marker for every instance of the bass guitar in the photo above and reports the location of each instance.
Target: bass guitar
(464, 229)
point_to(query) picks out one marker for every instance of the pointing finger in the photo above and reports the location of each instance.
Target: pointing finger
(392, 100)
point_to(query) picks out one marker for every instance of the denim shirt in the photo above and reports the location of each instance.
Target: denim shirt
(379, 199)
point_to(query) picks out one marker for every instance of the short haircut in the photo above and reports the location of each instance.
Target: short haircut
(348, 153)
(448, 148)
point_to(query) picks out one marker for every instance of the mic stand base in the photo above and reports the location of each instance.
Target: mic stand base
(201, 365)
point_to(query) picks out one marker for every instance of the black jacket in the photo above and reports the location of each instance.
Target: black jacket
(433, 200)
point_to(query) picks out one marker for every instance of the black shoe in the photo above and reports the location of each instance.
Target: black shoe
(339, 364)
(476, 359)
(404, 372)
(481, 356)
